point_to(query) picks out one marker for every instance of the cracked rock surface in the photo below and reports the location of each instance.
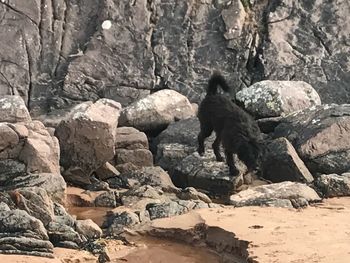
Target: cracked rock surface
(67, 52)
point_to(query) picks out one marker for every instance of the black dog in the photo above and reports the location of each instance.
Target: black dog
(237, 130)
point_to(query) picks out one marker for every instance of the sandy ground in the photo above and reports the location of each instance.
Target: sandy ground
(316, 234)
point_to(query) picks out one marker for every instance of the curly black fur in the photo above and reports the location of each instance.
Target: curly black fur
(235, 128)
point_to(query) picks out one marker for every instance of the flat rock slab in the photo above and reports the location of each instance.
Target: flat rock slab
(285, 194)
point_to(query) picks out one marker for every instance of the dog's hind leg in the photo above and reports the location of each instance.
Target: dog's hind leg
(230, 162)
(205, 132)
(249, 155)
(216, 147)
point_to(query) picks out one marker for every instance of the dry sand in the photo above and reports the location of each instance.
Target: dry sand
(315, 234)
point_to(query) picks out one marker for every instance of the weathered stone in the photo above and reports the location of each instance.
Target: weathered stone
(153, 176)
(177, 142)
(156, 111)
(125, 95)
(191, 193)
(106, 171)
(275, 194)
(62, 216)
(170, 155)
(88, 229)
(118, 182)
(321, 137)
(277, 98)
(23, 234)
(54, 184)
(107, 199)
(282, 163)
(130, 138)
(138, 157)
(120, 220)
(87, 136)
(13, 109)
(333, 185)
(204, 172)
(41, 152)
(166, 210)
(64, 236)
(35, 202)
(138, 198)
(181, 132)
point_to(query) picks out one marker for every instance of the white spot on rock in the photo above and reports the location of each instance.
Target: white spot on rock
(107, 24)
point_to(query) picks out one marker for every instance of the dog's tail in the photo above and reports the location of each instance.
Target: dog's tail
(217, 80)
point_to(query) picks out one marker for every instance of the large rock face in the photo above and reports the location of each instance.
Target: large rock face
(87, 138)
(70, 52)
(300, 45)
(321, 137)
(31, 237)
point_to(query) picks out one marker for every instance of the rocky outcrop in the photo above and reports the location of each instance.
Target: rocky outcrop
(23, 234)
(321, 137)
(285, 194)
(87, 138)
(156, 111)
(282, 163)
(277, 98)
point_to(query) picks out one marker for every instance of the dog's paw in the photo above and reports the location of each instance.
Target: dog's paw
(200, 152)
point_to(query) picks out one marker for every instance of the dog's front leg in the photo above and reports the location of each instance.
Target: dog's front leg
(201, 149)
